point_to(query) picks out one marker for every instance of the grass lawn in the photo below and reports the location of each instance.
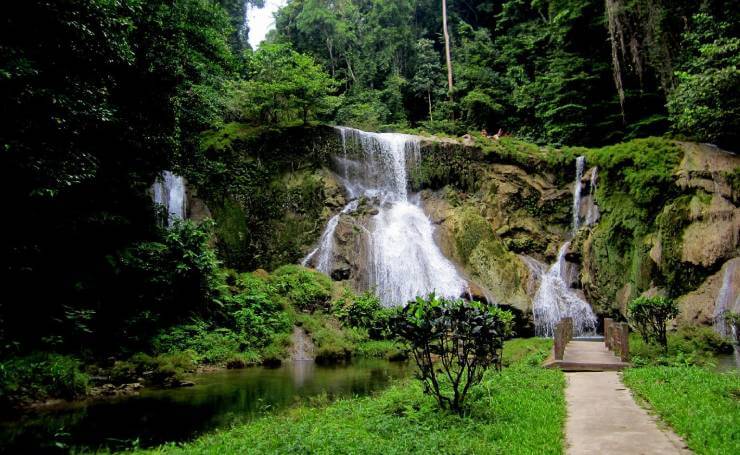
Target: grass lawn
(701, 405)
(518, 411)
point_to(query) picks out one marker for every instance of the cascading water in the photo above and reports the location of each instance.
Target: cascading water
(169, 191)
(326, 242)
(580, 164)
(592, 213)
(727, 300)
(555, 299)
(404, 261)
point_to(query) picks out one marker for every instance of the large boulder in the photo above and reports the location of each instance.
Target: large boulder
(698, 306)
(714, 234)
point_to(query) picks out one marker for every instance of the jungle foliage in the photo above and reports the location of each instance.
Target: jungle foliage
(553, 71)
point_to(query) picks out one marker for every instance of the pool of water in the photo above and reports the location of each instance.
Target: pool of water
(217, 400)
(729, 362)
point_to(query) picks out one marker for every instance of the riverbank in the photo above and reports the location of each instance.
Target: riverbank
(520, 410)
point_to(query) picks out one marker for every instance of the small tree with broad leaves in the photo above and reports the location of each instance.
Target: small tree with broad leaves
(649, 316)
(453, 343)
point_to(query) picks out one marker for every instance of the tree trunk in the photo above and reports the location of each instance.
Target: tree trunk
(447, 48)
(429, 98)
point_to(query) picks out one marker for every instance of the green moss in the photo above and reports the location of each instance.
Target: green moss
(501, 272)
(269, 181)
(232, 233)
(644, 169)
(469, 229)
(677, 276)
(447, 164)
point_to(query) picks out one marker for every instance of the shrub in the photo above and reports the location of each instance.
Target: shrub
(210, 345)
(40, 376)
(689, 345)
(161, 370)
(467, 337)
(364, 311)
(649, 315)
(306, 289)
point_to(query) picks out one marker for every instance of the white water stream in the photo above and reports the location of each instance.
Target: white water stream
(555, 299)
(169, 191)
(404, 261)
(727, 300)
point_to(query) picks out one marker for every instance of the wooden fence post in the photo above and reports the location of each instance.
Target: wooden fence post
(624, 340)
(607, 325)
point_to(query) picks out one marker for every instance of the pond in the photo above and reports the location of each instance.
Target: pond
(729, 362)
(217, 400)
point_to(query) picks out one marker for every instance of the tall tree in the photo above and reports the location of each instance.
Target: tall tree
(427, 69)
(447, 47)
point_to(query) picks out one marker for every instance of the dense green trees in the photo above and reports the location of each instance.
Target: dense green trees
(553, 71)
(99, 96)
(280, 85)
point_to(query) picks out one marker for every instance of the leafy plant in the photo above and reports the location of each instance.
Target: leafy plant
(364, 311)
(649, 315)
(308, 290)
(40, 376)
(466, 337)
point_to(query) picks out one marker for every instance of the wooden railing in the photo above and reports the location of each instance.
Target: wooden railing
(616, 338)
(563, 334)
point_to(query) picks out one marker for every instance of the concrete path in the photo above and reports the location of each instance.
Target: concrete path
(587, 356)
(604, 419)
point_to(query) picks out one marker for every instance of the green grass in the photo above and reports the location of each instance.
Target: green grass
(518, 411)
(701, 405)
(379, 349)
(529, 350)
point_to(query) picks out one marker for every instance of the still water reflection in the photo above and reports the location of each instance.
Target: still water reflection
(218, 400)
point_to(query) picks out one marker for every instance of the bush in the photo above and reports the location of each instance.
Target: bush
(40, 376)
(306, 289)
(468, 338)
(333, 343)
(208, 344)
(649, 315)
(689, 345)
(161, 370)
(364, 311)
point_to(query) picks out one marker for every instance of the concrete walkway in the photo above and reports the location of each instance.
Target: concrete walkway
(603, 419)
(587, 356)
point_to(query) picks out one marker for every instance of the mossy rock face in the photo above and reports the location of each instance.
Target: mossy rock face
(502, 273)
(487, 259)
(269, 192)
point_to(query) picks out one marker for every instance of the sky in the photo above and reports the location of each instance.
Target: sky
(260, 21)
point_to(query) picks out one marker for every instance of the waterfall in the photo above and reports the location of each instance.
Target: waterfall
(592, 214)
(326, 243)
(404, 261)
(726, 302)
(554, 298)
(168, 191)
(580, 163)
